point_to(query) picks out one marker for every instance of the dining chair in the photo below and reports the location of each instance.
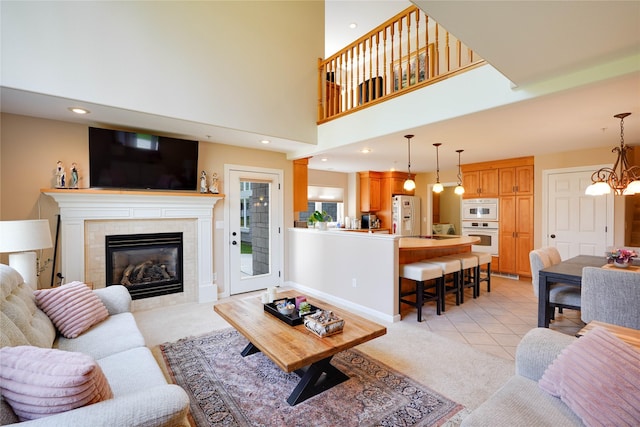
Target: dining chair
(611, 296)
(561, 295)
(555, 258)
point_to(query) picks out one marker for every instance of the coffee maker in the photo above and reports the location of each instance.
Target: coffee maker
(369, 221)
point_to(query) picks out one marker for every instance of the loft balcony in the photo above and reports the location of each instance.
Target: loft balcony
(405, 53)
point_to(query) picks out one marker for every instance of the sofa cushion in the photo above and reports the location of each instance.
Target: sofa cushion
(72, 307)
(520, 402)
(123, 379)
(21, 322)
(7, 416)
(38, 382)
(598, 377)
(118, 333)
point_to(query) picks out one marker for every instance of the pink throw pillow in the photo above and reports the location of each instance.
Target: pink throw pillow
(73, 308)
(38, 382)
(598, 378)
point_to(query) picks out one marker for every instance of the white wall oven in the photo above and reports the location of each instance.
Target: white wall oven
(480, 210)
(487, 231)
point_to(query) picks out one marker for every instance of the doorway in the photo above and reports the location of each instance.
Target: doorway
(253, 228)
(445, 211)
(573, 222)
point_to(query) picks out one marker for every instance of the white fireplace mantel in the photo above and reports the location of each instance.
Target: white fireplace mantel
(80, 205)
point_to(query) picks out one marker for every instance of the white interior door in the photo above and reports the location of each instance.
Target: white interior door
(577, 224)
(253, 228)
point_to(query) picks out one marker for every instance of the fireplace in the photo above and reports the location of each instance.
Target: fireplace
(148, 265)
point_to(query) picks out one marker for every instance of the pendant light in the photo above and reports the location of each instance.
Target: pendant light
(437, 187)
(624, 182)
(409, 184)
(459, 188)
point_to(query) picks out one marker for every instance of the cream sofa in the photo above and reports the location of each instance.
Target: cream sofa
(520, 402)
(141, 395)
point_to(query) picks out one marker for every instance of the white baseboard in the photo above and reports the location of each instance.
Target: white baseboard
(332, 299)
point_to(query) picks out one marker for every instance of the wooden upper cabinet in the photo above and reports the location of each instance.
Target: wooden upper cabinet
(300, 182)
(397, 180)
(481, 183)
(370, 191)
(516, 180)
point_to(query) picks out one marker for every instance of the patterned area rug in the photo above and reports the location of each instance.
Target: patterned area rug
(228, 390)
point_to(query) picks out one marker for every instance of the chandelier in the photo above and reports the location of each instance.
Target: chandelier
(624, 181)
(459, 190)
(409, 184)
(437, 187)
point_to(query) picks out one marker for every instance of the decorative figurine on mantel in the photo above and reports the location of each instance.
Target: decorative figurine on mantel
(203, 182)
(74, 176)
(214, 184)
(61, 175)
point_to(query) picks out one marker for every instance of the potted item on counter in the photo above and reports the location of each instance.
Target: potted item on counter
(320, 218)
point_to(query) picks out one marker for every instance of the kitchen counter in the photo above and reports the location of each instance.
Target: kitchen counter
(418, 248)
(366, 230)
(360, 270)
(436, 241)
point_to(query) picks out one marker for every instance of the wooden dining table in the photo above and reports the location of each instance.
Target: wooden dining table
(569, 272)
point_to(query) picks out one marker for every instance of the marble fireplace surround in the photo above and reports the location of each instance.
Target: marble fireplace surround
(87, 215)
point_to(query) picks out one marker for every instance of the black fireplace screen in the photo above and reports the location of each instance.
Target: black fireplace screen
(147, 264)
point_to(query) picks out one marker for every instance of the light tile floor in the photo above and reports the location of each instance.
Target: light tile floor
(495, 321)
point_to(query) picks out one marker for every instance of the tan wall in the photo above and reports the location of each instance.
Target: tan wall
(328, 179)
(31, 147)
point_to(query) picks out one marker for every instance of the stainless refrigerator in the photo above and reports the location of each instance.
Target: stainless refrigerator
(405, 215)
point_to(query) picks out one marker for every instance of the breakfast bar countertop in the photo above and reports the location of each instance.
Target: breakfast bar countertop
(435, 242)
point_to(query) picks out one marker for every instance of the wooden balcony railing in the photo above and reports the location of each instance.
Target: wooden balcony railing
(405, 53)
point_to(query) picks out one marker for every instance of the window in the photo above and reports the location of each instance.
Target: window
(335, 209)
(245, 211)
(327, 199)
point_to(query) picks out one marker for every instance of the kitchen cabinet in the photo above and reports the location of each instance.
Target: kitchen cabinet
(516, 234)
(511, 181)
(516, 180)
(376, 191)
(397, 180)
(370, 191)
(480, 183)
(300, 181)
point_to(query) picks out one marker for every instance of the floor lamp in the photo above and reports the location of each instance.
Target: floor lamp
(20, 239)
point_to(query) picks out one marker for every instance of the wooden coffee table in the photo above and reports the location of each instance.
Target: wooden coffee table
(294, 348)
(628, 335)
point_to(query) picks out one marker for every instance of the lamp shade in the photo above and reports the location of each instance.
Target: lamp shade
(409, 185)
(27, 235)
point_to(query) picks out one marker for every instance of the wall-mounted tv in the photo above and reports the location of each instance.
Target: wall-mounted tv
(120, 159)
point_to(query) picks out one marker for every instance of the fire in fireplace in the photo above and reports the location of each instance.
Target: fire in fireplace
(148, 265)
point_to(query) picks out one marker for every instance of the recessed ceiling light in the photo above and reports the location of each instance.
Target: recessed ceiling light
(324, 159)
(79, 110)
(353, 25)
(365, 150)
(265, 141)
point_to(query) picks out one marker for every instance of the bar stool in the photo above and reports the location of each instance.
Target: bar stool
(448, 266)
(420, 272)
(483, 258)
(468, 273)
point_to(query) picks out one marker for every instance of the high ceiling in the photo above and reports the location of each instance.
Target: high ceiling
(529, 42)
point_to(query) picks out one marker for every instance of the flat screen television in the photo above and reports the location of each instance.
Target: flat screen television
(130, 160)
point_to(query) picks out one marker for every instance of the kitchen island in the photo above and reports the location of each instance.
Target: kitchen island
(360, 270)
